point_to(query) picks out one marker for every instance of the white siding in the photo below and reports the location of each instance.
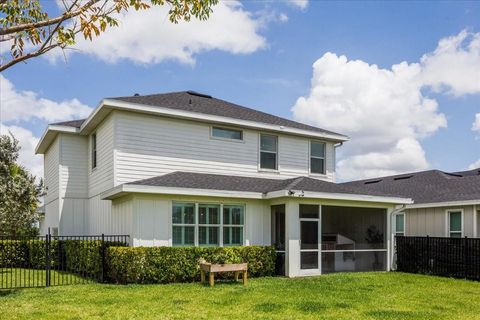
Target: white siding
(51, 216)
(99, 218)
(51, 170)
(152, 222)
(101, 178)
(148, 146)
(73, 217)
(73, 169)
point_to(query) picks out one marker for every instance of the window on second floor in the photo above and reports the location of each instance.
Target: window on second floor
(455, 225)
(94, 151)
(317, 157)
(226, 133)
(268, 152)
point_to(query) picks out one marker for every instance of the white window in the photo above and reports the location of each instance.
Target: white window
(202, 224)
(317, 157)
(400, 224)
(268, 152)
(225, 133)
(94, 151)
(183, 222)
(455, 223)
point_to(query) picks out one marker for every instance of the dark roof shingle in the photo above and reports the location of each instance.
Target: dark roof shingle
(426, 186)
(72, 123)
(204, 104)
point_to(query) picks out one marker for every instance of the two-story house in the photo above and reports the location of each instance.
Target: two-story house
(187, 169)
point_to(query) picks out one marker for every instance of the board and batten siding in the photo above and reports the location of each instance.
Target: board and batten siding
(152, 218)
(433, 221)
(147, 146)
(51, 167)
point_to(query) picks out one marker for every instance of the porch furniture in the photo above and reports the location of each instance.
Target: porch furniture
(211, 269)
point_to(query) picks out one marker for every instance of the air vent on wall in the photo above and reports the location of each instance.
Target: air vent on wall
(194, 93)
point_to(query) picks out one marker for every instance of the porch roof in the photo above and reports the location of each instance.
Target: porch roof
(248, 187)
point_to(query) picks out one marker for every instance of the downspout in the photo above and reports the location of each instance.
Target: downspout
(392, 240)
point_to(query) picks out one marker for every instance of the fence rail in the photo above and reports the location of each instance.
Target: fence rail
(44, 261)
(448, 257)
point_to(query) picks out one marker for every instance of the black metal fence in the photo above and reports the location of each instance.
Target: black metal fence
(44, 261)
(448, 257)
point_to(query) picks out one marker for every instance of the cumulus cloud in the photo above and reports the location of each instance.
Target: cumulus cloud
(18, 108)
(148, 36)
(16, 105)
(474, 165)
(28, 142)
(302, 4)
(384, 110)
(476, 123)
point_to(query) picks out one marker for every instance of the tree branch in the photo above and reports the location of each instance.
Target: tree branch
(49, 22)
(27, 56)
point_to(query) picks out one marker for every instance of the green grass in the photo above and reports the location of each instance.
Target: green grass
(18, 277)
(336, 296)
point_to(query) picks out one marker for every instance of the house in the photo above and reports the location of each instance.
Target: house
(184, 169)
(446, 204)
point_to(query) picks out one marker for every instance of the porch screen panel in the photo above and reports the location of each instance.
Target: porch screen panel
(353, 239)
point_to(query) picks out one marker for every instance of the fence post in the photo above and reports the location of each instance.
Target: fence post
(103, 258)
(427, 267)
(47, 259)
(465, 257)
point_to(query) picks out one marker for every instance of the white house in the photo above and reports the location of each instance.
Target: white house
(184, 169)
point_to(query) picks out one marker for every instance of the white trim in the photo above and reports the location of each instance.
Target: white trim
(134, 188)
(447, 224)
(401, 213)
(324, 174)
(318, 220)
(357, 250)
(476, 213)
(212, 137)
(276, 152)
(49, 135)
(443, 204)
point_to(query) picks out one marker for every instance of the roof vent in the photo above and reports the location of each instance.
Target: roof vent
(194, 93)
(372, 181)
(403, 177)
(136, 95)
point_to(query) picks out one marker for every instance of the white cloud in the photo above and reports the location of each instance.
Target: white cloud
(302, 4)
(476, 123)
(18, 105)
(474, 165)
(384, 110)
(149, 37)
(28, 142)
(24, 106)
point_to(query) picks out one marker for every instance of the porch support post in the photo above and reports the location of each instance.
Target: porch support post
(292, 235)
(388, 238)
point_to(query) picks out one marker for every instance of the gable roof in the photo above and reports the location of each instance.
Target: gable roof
(204, 104)
(431, 186)
(72, 123)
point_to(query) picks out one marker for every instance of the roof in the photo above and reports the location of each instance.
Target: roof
(192, 180)
(431, 186)
(205, 104)
(72, 123)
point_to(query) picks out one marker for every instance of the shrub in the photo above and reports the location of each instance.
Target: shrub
(175, 264)
(13, 253)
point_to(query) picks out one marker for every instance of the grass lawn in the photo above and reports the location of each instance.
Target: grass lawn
(336, 296)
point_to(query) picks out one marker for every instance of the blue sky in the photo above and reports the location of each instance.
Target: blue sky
(270, 68)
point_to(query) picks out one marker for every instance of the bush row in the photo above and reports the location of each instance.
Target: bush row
(175, 264)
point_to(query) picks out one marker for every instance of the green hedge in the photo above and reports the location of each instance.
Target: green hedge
(175, 264)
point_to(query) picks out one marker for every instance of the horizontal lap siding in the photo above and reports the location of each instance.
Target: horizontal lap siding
(73, 170)
(148, 146)
(51, 171)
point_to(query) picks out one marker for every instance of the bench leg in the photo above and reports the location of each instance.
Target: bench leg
(236, 276)
(211, 278)
(245, 278)
(202, 276)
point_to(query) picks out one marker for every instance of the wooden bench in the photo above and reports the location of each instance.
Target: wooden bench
(211, 269)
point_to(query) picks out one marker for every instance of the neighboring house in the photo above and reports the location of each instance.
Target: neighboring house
(445, 204)
(182, 169)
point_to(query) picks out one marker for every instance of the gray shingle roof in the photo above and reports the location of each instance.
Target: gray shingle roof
(237, 183)
(71, 123)
(426, 186)
(204, 104)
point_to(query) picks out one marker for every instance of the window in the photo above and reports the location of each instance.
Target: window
(233, 225)
(455, 224)
(225, 133)
(317, 157)
(400, 224)
(183, 222)
(207, 224)
(94, 151)
(268, 152)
